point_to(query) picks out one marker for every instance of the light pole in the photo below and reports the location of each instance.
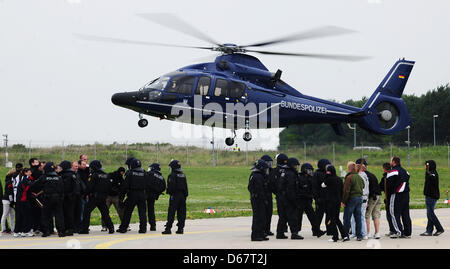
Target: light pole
(434, 128)
(6, 148)
(212, 143)
(408, 142)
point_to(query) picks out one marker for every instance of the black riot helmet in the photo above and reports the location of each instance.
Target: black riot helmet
(154, 167)
(261, 165)
(322, 163)
(307, 168)
(331, 170)
(268, 160)
(95, 165)
(135, 163)
(281, 159)
(49, 167)
(65, 165)
(174, 164)
(128, 161)
(292, 162)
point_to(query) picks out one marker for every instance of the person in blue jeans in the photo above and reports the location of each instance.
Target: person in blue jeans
(431, 192)
(352, 199)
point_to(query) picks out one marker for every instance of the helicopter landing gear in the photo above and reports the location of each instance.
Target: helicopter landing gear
(142, 122)
(247, 136)
(230, 140)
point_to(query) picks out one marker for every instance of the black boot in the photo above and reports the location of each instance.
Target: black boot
(281, 236)
(296, 236)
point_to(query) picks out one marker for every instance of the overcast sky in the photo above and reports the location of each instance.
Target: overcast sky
(56, 87)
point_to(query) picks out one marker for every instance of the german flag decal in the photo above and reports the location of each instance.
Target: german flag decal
(401, 76)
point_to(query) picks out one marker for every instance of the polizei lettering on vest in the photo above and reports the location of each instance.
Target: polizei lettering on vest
(304, 107)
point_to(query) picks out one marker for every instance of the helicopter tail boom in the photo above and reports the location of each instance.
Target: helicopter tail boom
(385, 111)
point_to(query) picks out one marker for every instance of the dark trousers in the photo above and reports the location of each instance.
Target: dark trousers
(282, 215)
(135, 198)
(23, 217)
(36, 214)
(94, 201)
(77, 212)
(305, 205)
(69, 212)
(259, 218)
(268, 214)
(433, 221)
(53, 206)
(334, 223)
(177, 204)
(389, 218)
(400, 209)
(151, 198)
(321, 208)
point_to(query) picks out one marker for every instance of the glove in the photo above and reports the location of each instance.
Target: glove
(323, 185)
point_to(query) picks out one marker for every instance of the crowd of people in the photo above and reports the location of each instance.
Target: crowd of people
(360, 193)
(44, 196)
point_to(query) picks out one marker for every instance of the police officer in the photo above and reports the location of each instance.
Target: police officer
(177, 188)
(99, 185)
(278, 182)
(268, 192)
(305, 196)
(134, 185)
(291, 188)
(52, 190)
(319, 192)
(258, 199)
(70, 179)
(156, 188)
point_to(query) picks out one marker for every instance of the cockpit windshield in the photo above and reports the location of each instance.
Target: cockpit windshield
(157, 84)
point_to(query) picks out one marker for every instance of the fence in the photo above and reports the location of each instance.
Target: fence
(196, 155)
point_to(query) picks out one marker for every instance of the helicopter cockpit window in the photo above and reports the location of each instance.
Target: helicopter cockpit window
(221, 88)
(157, 84)
(236, 89)
(181, 85)
(203, 86)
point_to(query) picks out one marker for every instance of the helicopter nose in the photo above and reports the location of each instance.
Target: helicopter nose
(124, 98)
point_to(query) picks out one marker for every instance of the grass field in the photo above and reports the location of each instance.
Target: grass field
(225, 190)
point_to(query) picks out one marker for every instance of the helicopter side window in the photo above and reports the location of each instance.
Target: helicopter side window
(236, 89)
(221, 88)
(181, 85)
(203, 85)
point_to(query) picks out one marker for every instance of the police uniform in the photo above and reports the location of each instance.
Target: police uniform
(52, 186)
(156, 188)
(258, 199)
(177, 188)
(268, 192)
(134, 185)
(319, 192)
(69, 178)
(278, 181)
(99, 185)
(291, 202)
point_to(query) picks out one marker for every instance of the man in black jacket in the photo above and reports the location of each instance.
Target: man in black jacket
(177, 188)
(156, 188)
(305, 197)
(99, 185)
(268, 192)
(69, 178)
(318, 191)
(398, 188)
(52, 190)
(258, 199)
(278, 182)
(291, 197)
(114, 194)
(134, 185)
(431, 192)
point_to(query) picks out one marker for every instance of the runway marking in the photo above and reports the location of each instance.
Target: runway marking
(108, 244)
(423, 222)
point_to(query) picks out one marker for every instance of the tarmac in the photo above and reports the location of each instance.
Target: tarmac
(233, 233)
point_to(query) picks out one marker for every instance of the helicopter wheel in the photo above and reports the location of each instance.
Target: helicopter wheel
(229, 141)
(142, 123)
(247, 136)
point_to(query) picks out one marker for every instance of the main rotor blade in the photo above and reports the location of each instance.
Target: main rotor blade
(313, 55)
(126, 41)
(320, 32)
(173, 22)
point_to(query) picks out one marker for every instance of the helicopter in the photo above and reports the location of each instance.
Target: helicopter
(255, 97)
